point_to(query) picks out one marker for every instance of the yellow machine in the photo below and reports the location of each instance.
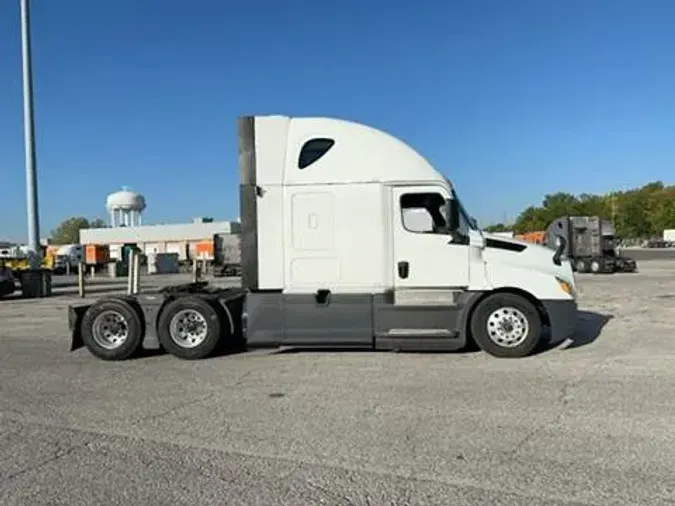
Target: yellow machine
(17, 264)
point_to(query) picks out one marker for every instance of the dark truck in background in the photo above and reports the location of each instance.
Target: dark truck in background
(591, 245)
(227, 255)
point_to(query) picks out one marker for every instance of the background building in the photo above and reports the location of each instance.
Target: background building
(201, 238)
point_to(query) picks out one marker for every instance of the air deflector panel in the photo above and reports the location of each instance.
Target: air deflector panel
(248, 204)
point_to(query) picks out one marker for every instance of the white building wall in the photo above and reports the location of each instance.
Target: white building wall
(158, 233)
(507, 233)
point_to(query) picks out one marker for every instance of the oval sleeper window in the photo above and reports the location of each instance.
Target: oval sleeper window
(312, 150)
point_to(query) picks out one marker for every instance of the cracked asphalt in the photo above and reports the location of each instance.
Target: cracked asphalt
(590, 422)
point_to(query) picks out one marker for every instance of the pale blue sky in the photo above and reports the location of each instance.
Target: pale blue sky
(511, 99)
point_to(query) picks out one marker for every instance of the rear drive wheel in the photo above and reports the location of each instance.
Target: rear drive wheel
(580, 266)
(506, 325)
(112, 329)
(595, 267)
(189, 328)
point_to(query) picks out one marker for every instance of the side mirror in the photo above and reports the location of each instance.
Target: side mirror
(560, 243)
(452, 214)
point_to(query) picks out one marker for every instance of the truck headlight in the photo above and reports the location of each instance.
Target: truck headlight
(566, 287)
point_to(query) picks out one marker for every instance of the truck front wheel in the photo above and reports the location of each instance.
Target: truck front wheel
(506, 325)
(189, 328)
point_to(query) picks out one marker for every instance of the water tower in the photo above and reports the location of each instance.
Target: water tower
(125, 208)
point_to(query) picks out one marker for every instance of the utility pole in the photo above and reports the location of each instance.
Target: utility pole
(29, 140)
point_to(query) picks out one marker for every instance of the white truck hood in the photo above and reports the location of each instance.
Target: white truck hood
(533, 257)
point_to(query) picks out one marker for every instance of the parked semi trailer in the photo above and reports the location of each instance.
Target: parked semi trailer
(590, 244)
(327, 261)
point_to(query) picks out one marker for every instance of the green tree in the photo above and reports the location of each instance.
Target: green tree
(531, 219)
(558, 204)
(498, 227)
(97, 223)
(594, 205)
(68, 231)
(638, 213)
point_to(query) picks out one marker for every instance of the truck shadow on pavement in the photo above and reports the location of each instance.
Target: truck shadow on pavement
(589, 328)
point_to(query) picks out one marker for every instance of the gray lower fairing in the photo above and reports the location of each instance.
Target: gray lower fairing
(373, 321)
(355, 321)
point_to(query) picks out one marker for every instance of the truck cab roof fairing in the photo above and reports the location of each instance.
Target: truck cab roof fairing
(358, 154)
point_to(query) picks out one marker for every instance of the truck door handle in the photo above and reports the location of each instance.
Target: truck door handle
(403, 269)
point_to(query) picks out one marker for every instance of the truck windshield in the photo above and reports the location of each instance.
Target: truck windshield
(464, 216)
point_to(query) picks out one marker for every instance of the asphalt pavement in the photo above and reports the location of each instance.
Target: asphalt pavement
(588, 423)
(644, 254)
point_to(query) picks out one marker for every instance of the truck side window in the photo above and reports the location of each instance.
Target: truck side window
(423, 213)
(312, 150)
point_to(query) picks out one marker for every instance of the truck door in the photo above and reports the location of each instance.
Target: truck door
(425, 256)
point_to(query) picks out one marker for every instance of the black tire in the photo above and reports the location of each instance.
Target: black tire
(580, 266)
(596, 267)
(195, 311)
(102, 323)
(517, 308)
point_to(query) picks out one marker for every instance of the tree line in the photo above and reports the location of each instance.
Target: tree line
(639, 213)
(68, 231)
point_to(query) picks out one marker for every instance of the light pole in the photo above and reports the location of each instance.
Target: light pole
(29, 140)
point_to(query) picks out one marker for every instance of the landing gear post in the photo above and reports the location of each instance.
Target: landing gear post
(134, 278)
(80, 279)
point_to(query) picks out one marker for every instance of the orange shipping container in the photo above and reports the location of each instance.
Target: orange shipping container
(97, 254)
(204, 249)
(538, 237)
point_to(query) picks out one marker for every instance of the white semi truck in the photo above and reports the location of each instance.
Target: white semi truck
(327, 261)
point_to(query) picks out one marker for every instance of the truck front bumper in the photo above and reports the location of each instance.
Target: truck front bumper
(563, 317)
(625, 264)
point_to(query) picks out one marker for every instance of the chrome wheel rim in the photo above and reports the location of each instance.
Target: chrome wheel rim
(110, 330)
(188, 328)
(507, 327)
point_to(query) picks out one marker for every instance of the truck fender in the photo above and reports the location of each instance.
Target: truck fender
(75, 316)
(229, 322)
(233, 304)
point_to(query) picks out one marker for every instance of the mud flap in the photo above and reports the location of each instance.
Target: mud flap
(75, 316)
